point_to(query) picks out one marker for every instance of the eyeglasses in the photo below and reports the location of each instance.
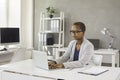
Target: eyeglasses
(75, 32)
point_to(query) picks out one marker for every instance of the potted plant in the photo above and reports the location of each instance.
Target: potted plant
(50, 11)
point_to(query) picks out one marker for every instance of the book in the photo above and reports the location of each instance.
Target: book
(55, 25)
(52, 25)
(94, 71)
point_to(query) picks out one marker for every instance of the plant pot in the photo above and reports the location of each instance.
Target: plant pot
(51, 16)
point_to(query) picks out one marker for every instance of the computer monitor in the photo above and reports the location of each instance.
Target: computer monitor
(9, 35)
(95, 42)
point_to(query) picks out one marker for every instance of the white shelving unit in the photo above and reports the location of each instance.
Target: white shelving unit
(54, 27)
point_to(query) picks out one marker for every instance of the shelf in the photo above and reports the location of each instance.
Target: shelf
(51, 29)
(50, 32)
(58, 18)
(54, 45)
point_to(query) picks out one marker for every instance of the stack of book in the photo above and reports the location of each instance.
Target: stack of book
(55, 25)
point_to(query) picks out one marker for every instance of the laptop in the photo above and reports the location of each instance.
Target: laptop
(40, 59)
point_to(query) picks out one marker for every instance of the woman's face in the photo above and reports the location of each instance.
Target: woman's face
(76, 32)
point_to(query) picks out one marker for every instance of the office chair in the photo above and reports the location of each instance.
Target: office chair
(97, 59)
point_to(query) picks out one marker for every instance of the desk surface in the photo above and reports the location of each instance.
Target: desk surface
(27, 67)
(7, 51)
(101, 51)
(106, 51)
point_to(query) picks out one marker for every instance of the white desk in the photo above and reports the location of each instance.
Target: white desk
(5, 56)
(113, 53)
(6, 52)
(25, 70)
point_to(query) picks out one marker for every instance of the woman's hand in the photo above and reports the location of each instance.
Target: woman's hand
(51, 64)
(58, 66)
(55, 66)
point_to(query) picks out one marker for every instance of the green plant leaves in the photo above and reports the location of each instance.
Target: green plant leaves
(50, 10)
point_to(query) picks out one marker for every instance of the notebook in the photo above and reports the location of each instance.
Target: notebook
(95, 70)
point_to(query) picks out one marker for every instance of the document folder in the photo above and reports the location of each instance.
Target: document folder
(94, 71)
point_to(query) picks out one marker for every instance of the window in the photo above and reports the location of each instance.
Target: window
(10, 13)
(3, 13)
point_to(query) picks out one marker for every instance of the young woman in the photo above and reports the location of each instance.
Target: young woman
(79, 52)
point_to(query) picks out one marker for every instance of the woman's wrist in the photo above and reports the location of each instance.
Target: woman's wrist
(62, 65)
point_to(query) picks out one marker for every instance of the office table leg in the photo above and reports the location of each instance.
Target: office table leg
(113, 60)
(57, 55)
(118, 59)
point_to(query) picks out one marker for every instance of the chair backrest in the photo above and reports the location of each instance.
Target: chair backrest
(97, 59)
(18, 55)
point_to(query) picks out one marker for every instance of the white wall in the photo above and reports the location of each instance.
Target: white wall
(96, 14)
(27, 23)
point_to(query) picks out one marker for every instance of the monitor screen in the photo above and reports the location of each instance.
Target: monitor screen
(9, 35)
(95, 42)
